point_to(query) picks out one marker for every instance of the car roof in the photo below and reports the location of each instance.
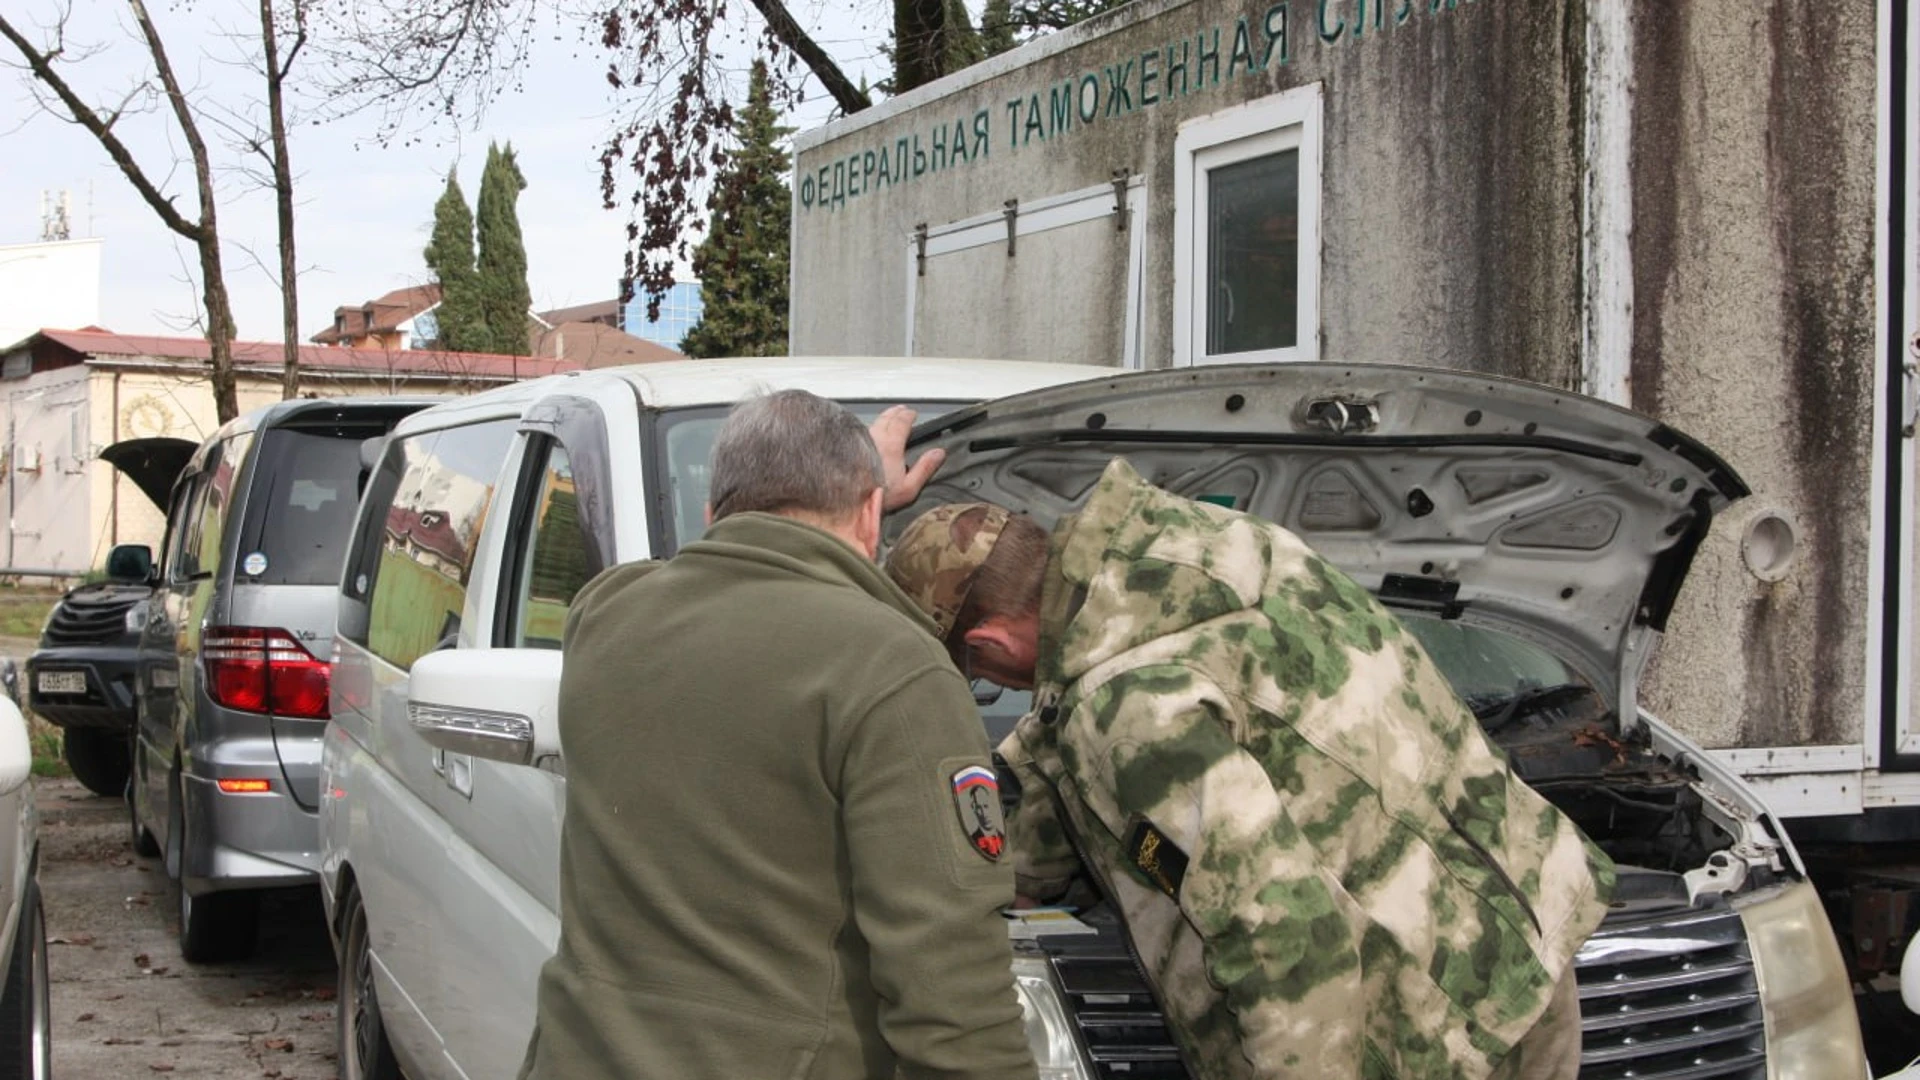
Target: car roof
(690, 383)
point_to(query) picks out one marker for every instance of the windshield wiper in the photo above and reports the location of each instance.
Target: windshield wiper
(1495, 715)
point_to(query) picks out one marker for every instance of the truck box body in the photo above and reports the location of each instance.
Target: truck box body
(1704, 213)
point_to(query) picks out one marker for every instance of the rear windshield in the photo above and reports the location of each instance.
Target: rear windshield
(300, 506)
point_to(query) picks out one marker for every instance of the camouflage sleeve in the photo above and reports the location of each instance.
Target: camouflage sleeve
(1045, 864)
(1199, 821)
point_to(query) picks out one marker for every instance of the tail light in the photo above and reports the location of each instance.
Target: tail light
(261, 670)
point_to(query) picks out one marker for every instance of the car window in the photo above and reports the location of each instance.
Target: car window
(1484, 664)
(300, 504)
(553, 559)
(686, 441)
(414, 559)
(207, 509)
(180, 518)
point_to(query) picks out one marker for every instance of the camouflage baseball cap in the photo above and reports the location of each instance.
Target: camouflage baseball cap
(937, 558)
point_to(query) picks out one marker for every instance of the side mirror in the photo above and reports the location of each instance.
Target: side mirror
(16, 752)
(131, 563)
(499, 704)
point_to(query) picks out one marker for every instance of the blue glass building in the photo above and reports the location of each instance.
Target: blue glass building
(678, 312)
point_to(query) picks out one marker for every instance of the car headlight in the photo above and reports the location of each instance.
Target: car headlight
(136, 618)
(1049, 1032)
(1812, 1030)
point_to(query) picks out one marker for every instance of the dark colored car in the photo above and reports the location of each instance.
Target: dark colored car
(82, 675)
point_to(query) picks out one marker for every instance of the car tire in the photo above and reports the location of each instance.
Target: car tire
(26, 1027)
(99, 758)
(215, 927)
(364, 1052)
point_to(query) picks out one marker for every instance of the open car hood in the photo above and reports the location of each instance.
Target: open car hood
(152, 464)
(1542, 513)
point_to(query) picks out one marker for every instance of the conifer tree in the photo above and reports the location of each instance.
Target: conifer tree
(449, 256)
(501, 272)
(742, 263)
(996, 27)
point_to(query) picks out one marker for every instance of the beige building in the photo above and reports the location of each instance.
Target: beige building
(66, 394)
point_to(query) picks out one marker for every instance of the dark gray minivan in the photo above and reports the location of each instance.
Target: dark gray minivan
(235, 659)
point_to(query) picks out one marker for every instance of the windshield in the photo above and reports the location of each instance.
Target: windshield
(1489, 668)
(686, 439)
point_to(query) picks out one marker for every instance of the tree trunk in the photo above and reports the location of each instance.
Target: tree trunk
(213, 286)
(276, 70)
(790, 33)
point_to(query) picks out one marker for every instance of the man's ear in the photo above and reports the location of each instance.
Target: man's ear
(706, 511)
(991, 633)
(867, 528)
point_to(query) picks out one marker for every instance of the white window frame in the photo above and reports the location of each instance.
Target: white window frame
(1285, 121)
(1038, 216)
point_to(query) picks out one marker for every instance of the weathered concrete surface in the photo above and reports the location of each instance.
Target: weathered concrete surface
(1753, 301)
(126, 1005)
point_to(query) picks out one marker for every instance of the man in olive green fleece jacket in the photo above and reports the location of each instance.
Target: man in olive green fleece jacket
(777, 860)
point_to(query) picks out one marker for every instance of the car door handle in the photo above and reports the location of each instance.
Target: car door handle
(439, 763)
(460, 774)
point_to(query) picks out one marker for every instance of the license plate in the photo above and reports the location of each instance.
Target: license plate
(61, 682)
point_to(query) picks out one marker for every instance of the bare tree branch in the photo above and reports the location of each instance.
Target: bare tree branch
(41, 65)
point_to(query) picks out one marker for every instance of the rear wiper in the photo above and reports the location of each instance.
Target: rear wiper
(1496, 714)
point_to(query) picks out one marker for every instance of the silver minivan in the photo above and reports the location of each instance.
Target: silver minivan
(235, 658)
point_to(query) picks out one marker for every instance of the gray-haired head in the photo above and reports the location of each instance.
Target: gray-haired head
(791, 452)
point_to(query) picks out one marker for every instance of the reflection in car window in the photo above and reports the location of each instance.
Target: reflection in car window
(418, 586)
(555, 563)
(687, 439)
(1485, 664)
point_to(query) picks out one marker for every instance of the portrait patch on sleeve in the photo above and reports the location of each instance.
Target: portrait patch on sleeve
(976, 795)
(1157, 858)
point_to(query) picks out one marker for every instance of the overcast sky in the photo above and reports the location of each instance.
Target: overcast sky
(363, 211)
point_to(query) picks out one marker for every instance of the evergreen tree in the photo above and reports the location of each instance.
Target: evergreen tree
(742, 263)
(501, 277)
(450, 258)
(996, 27)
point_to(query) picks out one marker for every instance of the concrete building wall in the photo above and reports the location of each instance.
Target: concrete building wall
(65, 507)
(1753, 329)
(1469, 193)
(54, 283)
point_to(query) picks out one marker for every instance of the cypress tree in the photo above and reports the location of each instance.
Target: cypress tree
(996, 27)
(742, 263)
(449, 256)
(504, 297)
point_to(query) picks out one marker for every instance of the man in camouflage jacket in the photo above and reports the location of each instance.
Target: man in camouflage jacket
(1325, 868)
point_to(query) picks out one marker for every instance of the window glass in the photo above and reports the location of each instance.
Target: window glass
(687, 437)
(555, 562)
(417, 585)
(179, 518)
(208, 509)
(301, 503)
(1484, 664)
(1253, 254)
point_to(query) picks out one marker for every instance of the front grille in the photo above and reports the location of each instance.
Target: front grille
(1671, 998)
(89, 620)
(1119, 1022)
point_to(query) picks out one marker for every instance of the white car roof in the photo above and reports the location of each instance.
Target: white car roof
(684, 383)
(719, 382)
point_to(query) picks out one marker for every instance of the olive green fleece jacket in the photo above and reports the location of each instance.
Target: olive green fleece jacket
(763, 869)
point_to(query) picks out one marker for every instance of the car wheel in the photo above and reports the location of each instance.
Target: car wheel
(99, 759)
(26, 1028)
(217, 927)
(364, 1052)
(142, 839)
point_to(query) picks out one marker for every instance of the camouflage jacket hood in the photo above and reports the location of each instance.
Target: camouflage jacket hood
(1325, 867)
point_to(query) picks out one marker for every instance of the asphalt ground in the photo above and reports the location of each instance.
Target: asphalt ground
(126, 1005)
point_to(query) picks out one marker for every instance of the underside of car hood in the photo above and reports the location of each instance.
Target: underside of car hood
(152, 464)
(1543, 513)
